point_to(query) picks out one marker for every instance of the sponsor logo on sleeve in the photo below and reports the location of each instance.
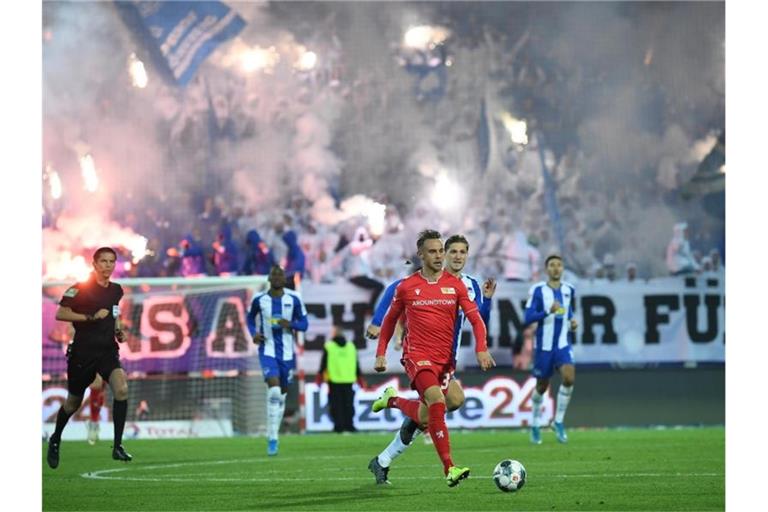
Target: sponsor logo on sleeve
(71, 292)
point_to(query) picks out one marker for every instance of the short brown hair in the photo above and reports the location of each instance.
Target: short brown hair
(456, 239)
(101, 250)
(427, 234)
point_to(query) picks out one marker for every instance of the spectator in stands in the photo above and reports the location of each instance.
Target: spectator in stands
(714, 255)
(631, 272)
(609, 267)
(192, 257)
(258, 258)
(295, 259)
(522, 260)
(226, 257)
(151, 265)
(680, 260)
(358, 265)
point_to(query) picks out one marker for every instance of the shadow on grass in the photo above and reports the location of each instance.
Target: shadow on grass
(335, 499)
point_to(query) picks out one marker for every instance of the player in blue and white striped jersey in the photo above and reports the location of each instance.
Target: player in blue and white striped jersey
(281, 312)
(551, 304)
(457, 250)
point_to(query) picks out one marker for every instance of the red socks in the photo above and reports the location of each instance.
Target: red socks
(95, 401)
(439, 433)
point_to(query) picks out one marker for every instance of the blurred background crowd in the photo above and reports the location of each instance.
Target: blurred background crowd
(325, 136)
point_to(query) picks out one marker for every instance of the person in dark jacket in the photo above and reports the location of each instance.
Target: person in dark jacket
(225, 252)
(295, 259)
(259, 258)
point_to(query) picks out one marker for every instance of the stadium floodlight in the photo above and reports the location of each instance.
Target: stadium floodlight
(88, 170)
(137, 71)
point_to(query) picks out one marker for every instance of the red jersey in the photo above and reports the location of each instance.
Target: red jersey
(430, 310)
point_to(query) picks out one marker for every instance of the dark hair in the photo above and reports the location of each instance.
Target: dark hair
(101, 250)
(456, 239)
(427, 234)
(552, 257)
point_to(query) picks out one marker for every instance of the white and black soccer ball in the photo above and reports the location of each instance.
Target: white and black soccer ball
(509, 475)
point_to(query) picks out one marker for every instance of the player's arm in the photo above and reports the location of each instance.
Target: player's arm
(534, 307)
(472, 314)
(483, 299)
(387, 330)
(381, 309)
(250, 319)
(573, 324)
(299, 321)
(119, 334)
(68, 304)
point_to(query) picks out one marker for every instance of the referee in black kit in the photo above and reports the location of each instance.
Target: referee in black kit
(93, 309)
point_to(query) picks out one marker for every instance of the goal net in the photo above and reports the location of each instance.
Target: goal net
(192, 367)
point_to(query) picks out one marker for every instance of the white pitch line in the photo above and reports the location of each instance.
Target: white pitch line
(106, 474)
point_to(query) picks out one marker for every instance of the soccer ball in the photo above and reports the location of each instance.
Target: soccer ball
(509, 475)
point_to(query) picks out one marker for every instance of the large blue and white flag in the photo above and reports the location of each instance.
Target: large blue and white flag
(182, 34)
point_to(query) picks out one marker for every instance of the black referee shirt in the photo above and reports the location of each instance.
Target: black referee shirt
(97, 336)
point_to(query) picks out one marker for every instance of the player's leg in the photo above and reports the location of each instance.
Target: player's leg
(67, 409)
(118, 383)
(428, 386)
(564, 393)
(271, 372)
(542, 370)
(95, 402)
(79, 375)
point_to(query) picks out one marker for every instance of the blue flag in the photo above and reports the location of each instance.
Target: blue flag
(180, 35)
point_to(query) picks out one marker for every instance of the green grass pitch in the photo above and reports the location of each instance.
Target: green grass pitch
(633, 469)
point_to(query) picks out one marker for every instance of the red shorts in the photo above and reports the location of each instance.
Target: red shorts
(443, 371)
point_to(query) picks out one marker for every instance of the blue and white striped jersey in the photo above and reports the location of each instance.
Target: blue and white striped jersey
(552, 330)
(278, 341)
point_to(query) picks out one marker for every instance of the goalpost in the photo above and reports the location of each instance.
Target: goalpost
(190, 360)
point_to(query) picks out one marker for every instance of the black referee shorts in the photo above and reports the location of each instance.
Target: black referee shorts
(82, 369)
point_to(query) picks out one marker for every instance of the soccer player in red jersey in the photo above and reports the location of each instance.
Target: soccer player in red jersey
(429, 300)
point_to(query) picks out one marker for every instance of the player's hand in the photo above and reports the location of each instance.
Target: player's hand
(372, 332)
(119, 335)
(555, 306)
(486, 360)
(381, 364)
(258, 338)
(285, 324)
(489, 288)
(574, 324)
(102, 313)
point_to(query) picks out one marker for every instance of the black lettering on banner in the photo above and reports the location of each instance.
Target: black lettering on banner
(229, 334)
(592, 318)
(691, 303)
(654, 317)
(507, 314)
(155, 310)
(357, 324)
(317, 410)
(319, 312)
